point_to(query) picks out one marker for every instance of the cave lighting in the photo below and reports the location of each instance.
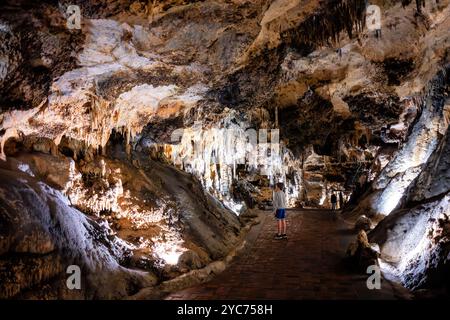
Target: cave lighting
(389, 200)
(213, 154)
(169, 252)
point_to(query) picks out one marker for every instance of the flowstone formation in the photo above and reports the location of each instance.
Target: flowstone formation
(142, 142)
(408, 201)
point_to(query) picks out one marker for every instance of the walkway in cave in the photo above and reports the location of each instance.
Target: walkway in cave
(307, 266)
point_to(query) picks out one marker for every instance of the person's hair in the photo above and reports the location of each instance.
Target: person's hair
(280, 186)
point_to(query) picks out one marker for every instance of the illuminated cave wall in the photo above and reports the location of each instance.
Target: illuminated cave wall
(214, 154)
(135, 130)
(391, 185)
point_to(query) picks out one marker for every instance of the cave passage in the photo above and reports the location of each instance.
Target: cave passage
(302, 267)
(147, 149)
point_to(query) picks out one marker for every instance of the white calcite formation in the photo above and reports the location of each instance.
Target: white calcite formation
(166, 118)
(74, 108)
(413, 256)
(407, 163)
(414, 238)
(124, 204)
(33, 210)
(214, 153)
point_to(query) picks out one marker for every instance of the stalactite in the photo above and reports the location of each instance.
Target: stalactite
(325, 26)
(419, 4)
(213, 154)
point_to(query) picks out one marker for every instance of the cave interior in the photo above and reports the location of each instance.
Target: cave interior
(141, 140)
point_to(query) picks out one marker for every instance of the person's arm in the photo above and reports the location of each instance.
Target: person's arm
(283, 202)
(275, 202)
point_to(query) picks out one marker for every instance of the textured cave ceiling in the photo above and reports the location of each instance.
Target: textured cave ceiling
(136, 127)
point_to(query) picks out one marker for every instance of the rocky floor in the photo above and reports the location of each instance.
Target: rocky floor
(309, 265)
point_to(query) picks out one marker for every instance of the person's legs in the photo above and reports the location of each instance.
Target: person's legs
(378, 33)
(281, 224)
(278, 236)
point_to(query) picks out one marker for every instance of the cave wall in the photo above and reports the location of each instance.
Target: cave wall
(92, 113)
(413, 231)
(414, 239)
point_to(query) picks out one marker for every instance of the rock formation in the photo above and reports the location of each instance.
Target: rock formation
(141, 142)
